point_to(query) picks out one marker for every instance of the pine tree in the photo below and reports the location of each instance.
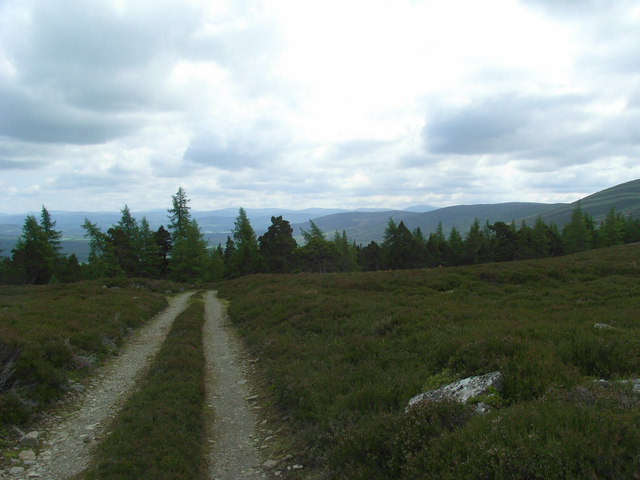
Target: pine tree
(188, 260)
(163, 240)
(247, 258)
(149, 255)
(612, 230)
(179, 215)
(277, 245)
(455, 251)
(576, 233)
(317, 254)
(52, 235)
(33, 255)
(101, 261)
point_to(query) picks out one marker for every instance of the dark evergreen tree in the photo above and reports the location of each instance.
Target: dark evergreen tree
(370, 257)
(189, 259)
(455, 250)
(149, 255)
(400, 250)
(52, 235)
(348, 260)
(247, 258)
(33, 255)
(475, 245)
(505, 241)
(277, 246)
(317, 254)
(576, 234)
(101, 260)
(162, 238)
(229, 254)
(611, 230)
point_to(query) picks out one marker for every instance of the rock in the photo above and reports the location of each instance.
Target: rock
(603, 326)
(297, 467)
(77, 387)
(27, 455)
(270, 464)
(462, 390)
(16, 471)
(30, 439)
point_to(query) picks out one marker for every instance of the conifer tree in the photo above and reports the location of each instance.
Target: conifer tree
(277, 245)
(52, 235)
(33, 255)
(576, 233)
(247, 258)
(179, 215)
(188, 260)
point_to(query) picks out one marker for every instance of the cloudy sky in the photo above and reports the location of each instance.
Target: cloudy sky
(293, 103)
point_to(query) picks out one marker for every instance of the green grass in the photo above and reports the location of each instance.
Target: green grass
(342, 355)
(159, 434)
(52, 334)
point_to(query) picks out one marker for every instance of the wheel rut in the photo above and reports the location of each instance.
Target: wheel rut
(68, 441)
(234, 453)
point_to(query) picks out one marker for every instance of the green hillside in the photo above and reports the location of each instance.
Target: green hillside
(625, 198)
(362, 227)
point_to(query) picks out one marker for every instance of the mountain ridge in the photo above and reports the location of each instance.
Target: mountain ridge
(361, 226)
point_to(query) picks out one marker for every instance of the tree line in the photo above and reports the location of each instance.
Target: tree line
(181, 253)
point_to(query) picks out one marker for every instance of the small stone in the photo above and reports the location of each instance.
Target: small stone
(76, 387)
(27, 455)
(603, 326)
(297, 467)
(270, 464)
(16, 471)
(33, 475)
(30, 439)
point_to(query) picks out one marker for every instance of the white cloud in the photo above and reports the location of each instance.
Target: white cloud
(292, 104)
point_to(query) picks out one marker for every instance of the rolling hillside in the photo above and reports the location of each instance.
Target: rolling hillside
(364, 227)
(625, 198)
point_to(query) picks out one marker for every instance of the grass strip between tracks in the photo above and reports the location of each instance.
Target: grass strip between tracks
(159, 434)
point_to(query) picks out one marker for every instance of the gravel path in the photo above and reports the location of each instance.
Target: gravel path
(233, 437)
(66, 449)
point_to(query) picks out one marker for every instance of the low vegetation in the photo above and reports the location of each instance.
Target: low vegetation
(51, 335)
(343, 353)
(159, 434)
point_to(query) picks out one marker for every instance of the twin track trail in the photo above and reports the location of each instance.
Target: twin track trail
(233, 454)
(232, 440)
(70, 440)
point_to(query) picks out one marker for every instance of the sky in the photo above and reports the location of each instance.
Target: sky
(296, 104)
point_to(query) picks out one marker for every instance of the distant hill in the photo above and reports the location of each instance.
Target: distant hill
(625, 198)
(362, 225)
(365, 227)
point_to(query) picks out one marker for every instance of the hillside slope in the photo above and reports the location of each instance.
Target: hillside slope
(624, 198)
